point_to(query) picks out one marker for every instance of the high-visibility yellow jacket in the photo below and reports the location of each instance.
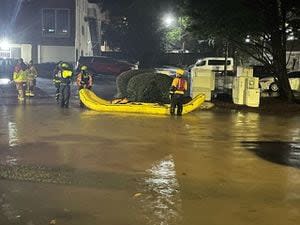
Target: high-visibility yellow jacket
(20, 76)
(66, 74)
(20, 73)
(62, 77)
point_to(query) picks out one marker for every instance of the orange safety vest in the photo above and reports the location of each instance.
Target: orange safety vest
(180, 84)
(85, 78)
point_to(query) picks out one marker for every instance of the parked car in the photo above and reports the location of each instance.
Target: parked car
(105, 65)
(6, 69)
(169, 70)
(214, 64)
(271, 83)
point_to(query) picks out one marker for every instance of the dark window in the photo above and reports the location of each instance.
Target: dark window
(82, 30)
(62, 21)
(56, 22)
(218, 62)
(48, 21)
(294, 74)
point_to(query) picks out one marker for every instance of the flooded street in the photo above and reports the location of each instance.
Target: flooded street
(79, 167)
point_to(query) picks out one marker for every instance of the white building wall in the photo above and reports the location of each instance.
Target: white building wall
(26, 52)
(56, 53)
(82, 34)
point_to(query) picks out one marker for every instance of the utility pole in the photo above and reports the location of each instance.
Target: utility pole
(226, 57)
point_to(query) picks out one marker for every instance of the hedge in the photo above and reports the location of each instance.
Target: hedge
(149, 87)
(123, 79)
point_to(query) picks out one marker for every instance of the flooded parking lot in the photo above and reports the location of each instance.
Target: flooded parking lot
(73, 166)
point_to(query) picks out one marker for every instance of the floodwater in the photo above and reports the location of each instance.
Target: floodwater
(79, 167)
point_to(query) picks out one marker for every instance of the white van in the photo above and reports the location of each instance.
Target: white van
(215, 64)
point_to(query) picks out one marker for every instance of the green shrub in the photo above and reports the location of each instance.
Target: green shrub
(123, 79)
(149, 87)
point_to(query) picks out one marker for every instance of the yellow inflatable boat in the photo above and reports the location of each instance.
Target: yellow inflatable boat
(91, 101)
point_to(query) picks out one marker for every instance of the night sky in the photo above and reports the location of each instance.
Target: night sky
(7, 14)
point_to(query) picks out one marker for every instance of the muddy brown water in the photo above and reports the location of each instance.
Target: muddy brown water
(82, 167)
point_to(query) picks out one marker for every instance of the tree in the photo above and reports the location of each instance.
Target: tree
(135, 28)
(258, 27)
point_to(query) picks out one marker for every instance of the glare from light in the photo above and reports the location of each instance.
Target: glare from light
(291, 37)
(168, 20)
(4, 45)
(4, 81)
(247, 40)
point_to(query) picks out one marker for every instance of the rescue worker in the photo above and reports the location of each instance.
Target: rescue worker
(65, 74)
(84, 80)
(177, 90)
(19, 77)
(57, 80)
(31, 79)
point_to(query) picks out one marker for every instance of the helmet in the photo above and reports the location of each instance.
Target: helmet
(83, 68)
(179, 72)
(65, 66)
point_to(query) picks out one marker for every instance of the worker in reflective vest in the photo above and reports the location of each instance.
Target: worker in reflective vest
(31, 79)
(65, 74)
(19, 77)
(177, 90)
(57, 80)
(84, 80)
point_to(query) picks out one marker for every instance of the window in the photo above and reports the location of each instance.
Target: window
(82, 30)
(56, 22)
(201, 63)
(295, 74)
(218, 62)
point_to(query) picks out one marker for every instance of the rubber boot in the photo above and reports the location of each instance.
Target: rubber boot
(20, 95)
(172, 111)
(57, 98)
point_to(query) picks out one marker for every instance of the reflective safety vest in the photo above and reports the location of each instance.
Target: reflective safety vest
(66, 74)
(180, 85)
(20, 76)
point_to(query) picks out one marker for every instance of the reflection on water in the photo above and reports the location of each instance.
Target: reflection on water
(284, 153)
(12, 134)
(12, 215)
(11, 160)
(162, 195)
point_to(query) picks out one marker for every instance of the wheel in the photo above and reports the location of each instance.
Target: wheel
(274, 87)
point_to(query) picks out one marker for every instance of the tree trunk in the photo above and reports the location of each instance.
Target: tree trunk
(278, 42)
(279, 59)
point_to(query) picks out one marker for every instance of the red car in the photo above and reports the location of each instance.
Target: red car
(105, 65)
